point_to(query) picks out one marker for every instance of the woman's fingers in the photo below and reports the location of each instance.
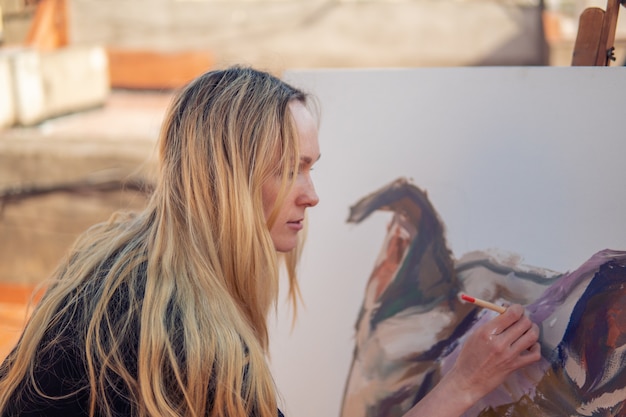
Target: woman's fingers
(514, 329)
(527, 339)
(518, 342)
(511, 316)
(531, 355)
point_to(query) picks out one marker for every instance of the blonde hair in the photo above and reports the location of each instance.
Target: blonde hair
(187, 283)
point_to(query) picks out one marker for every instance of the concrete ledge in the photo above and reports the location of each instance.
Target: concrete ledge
(49, 84)
(75, 78)
(7, 105)
(28, 87)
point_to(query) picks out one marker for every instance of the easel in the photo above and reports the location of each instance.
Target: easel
(595, 39)
(48, 30)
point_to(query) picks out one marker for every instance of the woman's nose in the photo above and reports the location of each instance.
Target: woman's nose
(309, 197)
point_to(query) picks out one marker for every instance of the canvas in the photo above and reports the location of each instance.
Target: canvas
(523, 165)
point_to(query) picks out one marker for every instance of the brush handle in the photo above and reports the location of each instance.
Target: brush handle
(483, 303)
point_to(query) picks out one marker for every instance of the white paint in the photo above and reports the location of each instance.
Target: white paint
(417, 334)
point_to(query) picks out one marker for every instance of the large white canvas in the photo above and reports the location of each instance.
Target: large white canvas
(524, 160)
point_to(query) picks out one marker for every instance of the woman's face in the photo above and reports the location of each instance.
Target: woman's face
(290, 219)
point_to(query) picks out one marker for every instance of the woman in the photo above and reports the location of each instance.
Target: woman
(163, 313)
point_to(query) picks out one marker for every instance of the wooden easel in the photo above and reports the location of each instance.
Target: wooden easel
(48, 30)
(595, 39)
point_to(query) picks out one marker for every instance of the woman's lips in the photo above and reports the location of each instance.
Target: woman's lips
(295, 225)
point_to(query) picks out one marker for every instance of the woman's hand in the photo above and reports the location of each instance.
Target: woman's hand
(494, 350)
(490, 354)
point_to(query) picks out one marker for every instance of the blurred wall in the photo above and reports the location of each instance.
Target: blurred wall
(68, 173)
(284, 34)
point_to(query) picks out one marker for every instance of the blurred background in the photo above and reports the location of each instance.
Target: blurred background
(84, 85)
(281, 34)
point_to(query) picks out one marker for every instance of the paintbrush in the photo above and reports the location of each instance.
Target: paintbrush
(483, 303)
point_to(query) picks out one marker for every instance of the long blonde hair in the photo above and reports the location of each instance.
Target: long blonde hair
(188, 282)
